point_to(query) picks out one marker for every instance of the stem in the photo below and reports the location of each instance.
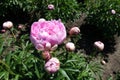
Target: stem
(11, 30)
(66, 55)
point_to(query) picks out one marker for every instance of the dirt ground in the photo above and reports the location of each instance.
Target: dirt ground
(113, 64)
(111, 53)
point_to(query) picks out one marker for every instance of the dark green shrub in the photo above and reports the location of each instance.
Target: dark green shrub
(64, 9)
(99, 15)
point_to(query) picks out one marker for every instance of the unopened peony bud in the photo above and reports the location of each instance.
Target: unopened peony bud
(70, 46)
(41, 20)
(20, 26)
(53, 65)
(7, 24)
(99, 45)
(103, 62)
(50, 6)
(3, 30)
(46, 55)
(74, 30)
(113, 11)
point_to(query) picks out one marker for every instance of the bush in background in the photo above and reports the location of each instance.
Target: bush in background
(99, 14)
(35, 9)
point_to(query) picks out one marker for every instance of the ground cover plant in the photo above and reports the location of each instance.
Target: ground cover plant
(58, 39)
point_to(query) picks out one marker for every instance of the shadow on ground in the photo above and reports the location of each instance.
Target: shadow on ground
(90, 34)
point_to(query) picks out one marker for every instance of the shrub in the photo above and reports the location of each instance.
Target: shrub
(100, 15)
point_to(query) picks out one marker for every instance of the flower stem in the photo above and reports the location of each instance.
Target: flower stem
(11, 30)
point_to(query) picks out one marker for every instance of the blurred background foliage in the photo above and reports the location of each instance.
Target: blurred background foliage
(99, 14)
(35, 9)
(19, 60)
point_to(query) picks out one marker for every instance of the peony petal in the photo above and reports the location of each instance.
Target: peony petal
(39, 47)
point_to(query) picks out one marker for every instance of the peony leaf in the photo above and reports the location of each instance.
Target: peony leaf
(64, 74)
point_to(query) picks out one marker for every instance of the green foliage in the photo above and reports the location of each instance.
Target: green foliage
(19, 60)
(117, 76)
(99, 14)
(64, 9)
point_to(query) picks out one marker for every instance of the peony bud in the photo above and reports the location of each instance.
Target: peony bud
(53, 65)
(41, 20)
(3, 30)
(7, 24)
(46, 55)
(99, 45)
(20, 26)
(103, 62)
(70, 46)
(113, 11)
(74, 30)
(50, 6)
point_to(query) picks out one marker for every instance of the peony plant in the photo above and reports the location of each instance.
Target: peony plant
(46, 35)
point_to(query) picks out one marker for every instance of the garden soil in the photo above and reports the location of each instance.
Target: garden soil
(110, 54)
(113, 63)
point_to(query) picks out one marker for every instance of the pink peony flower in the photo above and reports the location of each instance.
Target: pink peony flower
(47, 34)
(53, 65)
(74, 30)
(70, 46)
(99, 45)
(7, 24)
(50, 6)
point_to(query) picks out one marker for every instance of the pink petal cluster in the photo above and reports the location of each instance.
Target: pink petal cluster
(47, 34)
(50, 6)
(53, 65)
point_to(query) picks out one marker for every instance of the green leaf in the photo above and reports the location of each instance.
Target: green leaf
(71, 61)
(6, 77)
(16, 77)
(37, 71)
(8, 58)
(73, 70)
(2, 74)
(1, 48)
(64, 74)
